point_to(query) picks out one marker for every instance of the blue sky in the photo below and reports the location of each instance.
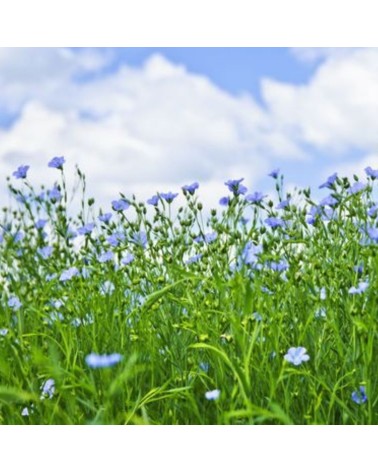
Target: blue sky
(141, 120)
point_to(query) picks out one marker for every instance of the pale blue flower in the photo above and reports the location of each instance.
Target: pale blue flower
(359, 396)
(212, 394)
(48, 389)
(56, 162)
(100, 361)
(69, 274)
(330, 181)
(296, 355)
(105, 218)
(107, 288)
(106, 256)
(14, 302)
(45, 252)
(193, 259)
(21, 172)
(362, 287)
(127, 259)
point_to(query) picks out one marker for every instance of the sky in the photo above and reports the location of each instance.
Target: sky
(142, 120)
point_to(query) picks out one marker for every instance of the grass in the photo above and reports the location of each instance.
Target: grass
(192, 304)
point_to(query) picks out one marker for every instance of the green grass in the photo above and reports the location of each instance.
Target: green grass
(223, 322)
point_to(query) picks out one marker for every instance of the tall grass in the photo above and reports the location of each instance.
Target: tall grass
(187, 316)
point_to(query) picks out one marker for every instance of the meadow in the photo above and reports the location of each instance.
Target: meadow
(166, 312)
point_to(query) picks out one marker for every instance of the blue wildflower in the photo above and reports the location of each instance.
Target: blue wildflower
(330, 181)
(373, 234)
(356, 187)
(3, 331)
(194, 259)
(169, 197)
(14, 302)
(274, 222)
(235, 186)
(359, 396)
(120, 205)
(371, 172)
(57, 162)
(115, 238)
(54, 194)
(372, 211)
(48, 389)
(140, 238)
(274, 173)
(296, 355)
(362, 287)
(86, 229)
(207, 238)
(224, 201)
(256, 316)
(106, 256)
(107, 288)
(283, 204)
(21, 172)
(69, 274)
(127, 259)
(18, 236)
(191, 188)
(100, 361)
(45, 252)
(250, 253)
(212, 395)
(105, 218)
(154, 200)
(40, 224)
(328, 201)
(256, 197)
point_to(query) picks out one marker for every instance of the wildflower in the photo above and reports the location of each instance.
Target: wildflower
(328, 201)
(48, 389)
(140, 238)
(256, 316)
(57, 162)
(3, 332)
(372, 211)
(204, 366)
(169, 197)
(105, 218)
(320, 313)
(115, 238)
(40, 224)
(194, 259)
(371, 172)
(250, 253)
(127, 259)
(359, 396)
(154, 200)
(45, 252)
(357, 187)
(323, 293)
(86, 229)
(14, 302)
(68, 274)
(88, 319)
(120, 205)
(277, 266)
(212, 394)
(362, 286)
(235, 187)
(283, 204)
(25, 411)
(191, 188)
(373, 234)
(274, 222)
(18, 236)
(330, 181)
(106, 256)
(54, 194)
(256, 197)
(100, 361)
(296, 355)
(274, 173)
(107, 288)
(21, 172)
(207, 238)
(224, 201)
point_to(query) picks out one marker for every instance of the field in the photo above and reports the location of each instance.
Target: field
(255, 312)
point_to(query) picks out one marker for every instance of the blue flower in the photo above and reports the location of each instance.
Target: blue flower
(191, 188)
(54, 194)
(21, 172)
(48, 389)
(194, 259)
(115, 238)
(212, 394)
(14, 302)
(274, 222)
(57, 162)
(120, 205)
(250, 253)
(274, 173)
(330, 181)
(105, 218)
(107, 288)
(169, 197)
(86, 229)
(373, 234)
(45, 252)
(362, 287)
(69, 274)
(224, 201)
(283, 204)
(357, 187)
(40, 224)
(106, 256)
(371, 172)
(235, 187)
(127, 259)
(100, 361)
(372, 211)
(328, 201)
(296, 355)
(256, 197)
(359, 396)
(154, 200)
(207, 238)
(140, 238)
